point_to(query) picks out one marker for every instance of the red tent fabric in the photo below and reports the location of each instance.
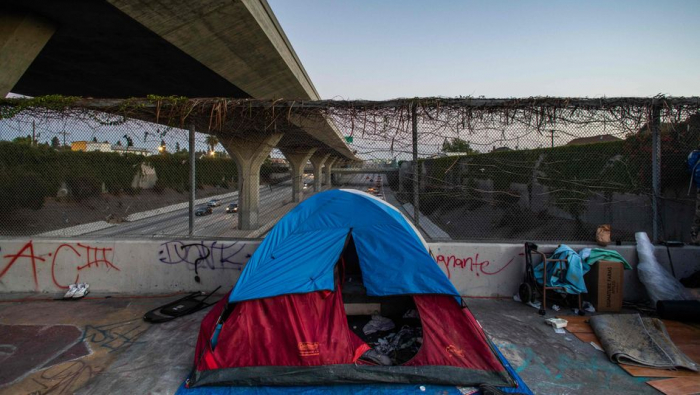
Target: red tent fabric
(266, 338)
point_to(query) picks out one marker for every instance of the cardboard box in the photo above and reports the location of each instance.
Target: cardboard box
(605, 283)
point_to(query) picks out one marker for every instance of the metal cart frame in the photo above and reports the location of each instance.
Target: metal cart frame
(526, 288)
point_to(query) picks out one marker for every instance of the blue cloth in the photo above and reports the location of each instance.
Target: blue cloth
(693, 166)
(570, 280)
(300, 253)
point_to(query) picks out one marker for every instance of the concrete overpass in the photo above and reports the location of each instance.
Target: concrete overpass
(367, 170)
(194, 48)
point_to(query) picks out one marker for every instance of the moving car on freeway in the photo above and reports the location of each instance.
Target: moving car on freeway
(203, 211)
(214, 203)
(232, 208)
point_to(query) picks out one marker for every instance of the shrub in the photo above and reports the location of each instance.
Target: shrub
(83, 186)
(21, 190)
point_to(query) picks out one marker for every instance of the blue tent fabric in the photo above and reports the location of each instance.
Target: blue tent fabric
(572, 282)
(300, 253)
(694, 166)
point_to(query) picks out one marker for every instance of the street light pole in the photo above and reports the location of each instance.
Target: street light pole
(192, 182)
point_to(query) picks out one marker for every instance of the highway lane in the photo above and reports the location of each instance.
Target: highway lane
(217, 224)
(176, 223)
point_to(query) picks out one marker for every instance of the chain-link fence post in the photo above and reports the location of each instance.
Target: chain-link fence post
(655, 167)
(193, 186)
(416, 172)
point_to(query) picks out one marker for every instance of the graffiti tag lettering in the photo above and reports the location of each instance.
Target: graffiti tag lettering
(472, 263)
(83, 256)
(116, 336)
(29, 254)
(207, 255)
(90, 257)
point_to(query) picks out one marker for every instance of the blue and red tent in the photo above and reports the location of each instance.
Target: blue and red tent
(284, 322)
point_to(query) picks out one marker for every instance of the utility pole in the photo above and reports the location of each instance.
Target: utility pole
(655, 167)
(416, 167)
(552, 131)
(64, 133)
(192, 181)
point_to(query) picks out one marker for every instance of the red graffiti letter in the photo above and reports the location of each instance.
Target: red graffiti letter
(29, 246)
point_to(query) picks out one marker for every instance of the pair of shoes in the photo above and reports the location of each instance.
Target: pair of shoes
(77, 291)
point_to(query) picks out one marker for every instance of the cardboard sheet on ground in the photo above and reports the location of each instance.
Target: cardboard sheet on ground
(686, 338)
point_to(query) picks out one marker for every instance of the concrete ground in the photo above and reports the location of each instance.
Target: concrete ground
(101, 345)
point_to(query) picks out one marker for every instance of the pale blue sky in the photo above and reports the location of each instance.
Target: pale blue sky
(366, 49)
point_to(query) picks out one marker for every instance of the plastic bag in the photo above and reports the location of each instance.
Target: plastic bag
(602, 235)
(659, 283)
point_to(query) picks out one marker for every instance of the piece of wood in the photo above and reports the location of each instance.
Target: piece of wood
(639, 371)
(588, 338)
(576, 318)
(362, 308)
(677, 385)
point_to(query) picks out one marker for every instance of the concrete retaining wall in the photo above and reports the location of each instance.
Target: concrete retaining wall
(158, 266)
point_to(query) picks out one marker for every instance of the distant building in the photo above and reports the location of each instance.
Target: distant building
(131, 150)
(279, 161)
(603, 138)
(445, 154)
(90, 146)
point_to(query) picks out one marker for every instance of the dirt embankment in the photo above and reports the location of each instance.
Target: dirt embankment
(56, 214)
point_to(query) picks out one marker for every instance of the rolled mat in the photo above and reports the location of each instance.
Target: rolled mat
(632, 340)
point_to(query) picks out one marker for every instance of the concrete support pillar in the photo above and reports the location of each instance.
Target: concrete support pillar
(297, 161)
(318, 161)
(22, 37)
(329, 167)
(249, 153)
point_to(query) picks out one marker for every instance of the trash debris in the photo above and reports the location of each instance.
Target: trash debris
(556, 307)
(602, 235)
(181, 307)
(536, 305)
(516, 298)
(659, 283)
(559, 330)
(377, 357)
(403, 339)
(557, 322)
(597, 347)
(588, 307)
(77, 291)
(378, 324)
(411, 314)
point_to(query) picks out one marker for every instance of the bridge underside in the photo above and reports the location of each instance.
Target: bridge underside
(134, 48)
(99, 51)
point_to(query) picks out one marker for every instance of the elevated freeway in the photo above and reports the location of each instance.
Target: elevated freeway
(200, 48)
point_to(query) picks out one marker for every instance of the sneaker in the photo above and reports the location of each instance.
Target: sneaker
(72, 289)
(82, 290)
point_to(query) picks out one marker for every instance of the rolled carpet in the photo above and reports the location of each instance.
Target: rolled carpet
(632, 340)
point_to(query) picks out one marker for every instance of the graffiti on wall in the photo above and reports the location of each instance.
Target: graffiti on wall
(213, 255)
(67, 259)
(472, 264)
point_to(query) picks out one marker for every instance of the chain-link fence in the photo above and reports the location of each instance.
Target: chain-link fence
(463, 169)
